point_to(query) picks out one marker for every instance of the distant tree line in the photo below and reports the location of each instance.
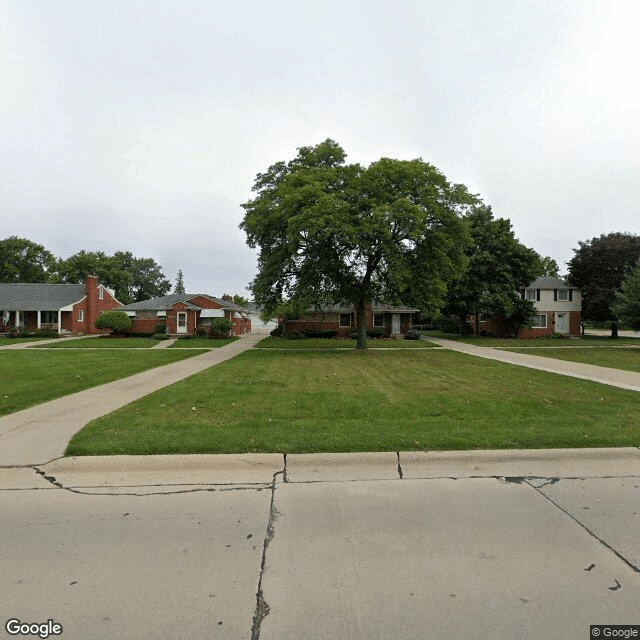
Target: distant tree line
(132, 279)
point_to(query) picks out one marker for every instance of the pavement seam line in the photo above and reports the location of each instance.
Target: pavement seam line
(262, 608)
(591, 533)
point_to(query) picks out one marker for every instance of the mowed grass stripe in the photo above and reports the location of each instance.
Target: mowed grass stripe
(32, 377)
(292, 402)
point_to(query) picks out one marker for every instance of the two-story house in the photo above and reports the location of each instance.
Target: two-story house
(558, 311)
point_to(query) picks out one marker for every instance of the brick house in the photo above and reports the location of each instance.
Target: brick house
(395, 320)
(65, 308)
(185, 314)
(558, 311)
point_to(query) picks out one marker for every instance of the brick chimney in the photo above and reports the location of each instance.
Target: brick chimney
(91, 289)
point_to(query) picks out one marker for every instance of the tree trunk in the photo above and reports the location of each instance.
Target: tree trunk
(361, 326)
(614, 329)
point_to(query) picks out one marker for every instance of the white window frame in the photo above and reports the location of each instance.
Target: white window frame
(101, 293)
(537, 321)
(206, 320)
(531, 294)
(80, 315)
(563, 295)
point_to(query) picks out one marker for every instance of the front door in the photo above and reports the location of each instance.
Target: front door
(182, 322)
(561, 323)
(395, 323)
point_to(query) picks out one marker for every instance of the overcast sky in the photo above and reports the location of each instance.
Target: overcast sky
(141, 125)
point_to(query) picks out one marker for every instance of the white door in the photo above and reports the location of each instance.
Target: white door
(561, 323)
(395, 323)
(182, 322)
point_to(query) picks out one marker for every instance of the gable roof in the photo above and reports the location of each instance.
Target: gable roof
(547, 282)
(166, 302)
(38, 296)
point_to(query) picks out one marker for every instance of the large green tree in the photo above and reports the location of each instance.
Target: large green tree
(22, 260)
(133, 279)
(330, 232)
(598, 267)
(627, 305)
(499, 267)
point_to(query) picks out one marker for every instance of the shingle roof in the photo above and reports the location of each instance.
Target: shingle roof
(166, 302)
(547, 282)
(38, 296)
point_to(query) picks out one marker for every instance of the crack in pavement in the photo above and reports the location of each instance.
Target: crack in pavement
(198, 487)
(262, 607)
(591, 533)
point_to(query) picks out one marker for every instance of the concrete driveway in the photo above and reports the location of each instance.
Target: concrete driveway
(485, 545)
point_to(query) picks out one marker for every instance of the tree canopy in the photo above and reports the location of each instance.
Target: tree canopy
(179, 288)
(598, 267)
(22, 260)
(499, 267)
(335, 233)
(627, 304)
(236, 298)
(133, 279)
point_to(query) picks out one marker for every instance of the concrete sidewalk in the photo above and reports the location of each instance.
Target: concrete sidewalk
(41, 433)
(491, 545)
(603, 375)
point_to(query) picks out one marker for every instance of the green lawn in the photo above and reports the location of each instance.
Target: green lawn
(202, 343)
(484, 341)
(101, 343)
(627, 358)
(4, 342)
(30, 377)
(336, 343)
(279, 401)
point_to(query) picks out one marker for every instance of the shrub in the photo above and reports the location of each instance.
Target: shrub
(220, 327)
(277, 332)
(413, 334)
(115, 320)
(295, 335)
(161, 336)
(320, 333)
(161, 327)
(20, 332)
(202, 333)
(375, 333)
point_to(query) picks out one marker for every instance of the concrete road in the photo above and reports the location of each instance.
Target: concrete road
(483, 545)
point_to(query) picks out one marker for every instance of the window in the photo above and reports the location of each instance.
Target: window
(49, 317)
(205, 320)
(345, 319)
(563, 295)
(101, 293)
(540, 321)
(531, 294)
(378, 320)
(81, 315)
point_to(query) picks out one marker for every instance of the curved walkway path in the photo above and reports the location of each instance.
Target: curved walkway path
(604, 375)
(41, 433)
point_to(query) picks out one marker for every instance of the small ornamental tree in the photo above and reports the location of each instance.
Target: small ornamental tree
(115, 320)
(220, 327)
